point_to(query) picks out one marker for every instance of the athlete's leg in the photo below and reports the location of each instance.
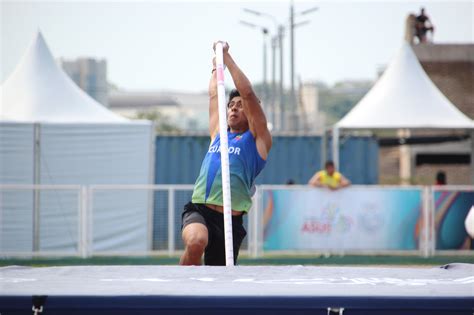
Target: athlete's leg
(215, 251)
(195, 237)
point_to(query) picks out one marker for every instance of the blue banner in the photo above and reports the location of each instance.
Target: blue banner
(348, 219)
(451, 209)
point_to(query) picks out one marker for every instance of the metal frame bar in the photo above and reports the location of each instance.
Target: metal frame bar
(453, 188)
(140, 187)
(151, 177)
(253, 225)
(39, 254)
(315, 253)
(425, 245)
(432, 218)
(171, 223)
(41, 187)
(365, 187)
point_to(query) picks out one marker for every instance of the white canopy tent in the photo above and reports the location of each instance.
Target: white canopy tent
(39, 91)
(51, 132)
(403, 98)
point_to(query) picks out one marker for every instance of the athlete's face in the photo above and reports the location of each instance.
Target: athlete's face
(235, 115)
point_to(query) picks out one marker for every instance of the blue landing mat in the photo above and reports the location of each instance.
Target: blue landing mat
(238, 290)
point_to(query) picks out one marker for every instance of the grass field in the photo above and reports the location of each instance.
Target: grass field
(352, 260)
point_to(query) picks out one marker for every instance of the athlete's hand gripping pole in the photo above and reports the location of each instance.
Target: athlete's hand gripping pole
(229, 250)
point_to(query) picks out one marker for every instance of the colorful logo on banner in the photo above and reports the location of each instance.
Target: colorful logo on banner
(329, 220)
(349, 219)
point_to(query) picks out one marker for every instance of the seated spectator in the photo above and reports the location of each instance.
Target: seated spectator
(329, 178)
(440, 178)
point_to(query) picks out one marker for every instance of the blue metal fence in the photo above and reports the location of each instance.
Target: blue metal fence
(178, 159)
(359, 159)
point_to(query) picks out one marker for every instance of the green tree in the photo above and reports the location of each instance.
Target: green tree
(337, 101)
(162, 122)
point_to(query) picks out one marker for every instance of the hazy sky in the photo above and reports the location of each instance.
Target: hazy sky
(167, 45)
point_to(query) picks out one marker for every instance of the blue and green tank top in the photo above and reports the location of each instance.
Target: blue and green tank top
(244, 165)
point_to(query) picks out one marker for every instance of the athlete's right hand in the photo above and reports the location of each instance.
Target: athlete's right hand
(225, 46)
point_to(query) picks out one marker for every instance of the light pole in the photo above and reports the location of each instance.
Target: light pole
(281, 30)
(292, 60)
(293, 101)
(277, 42)
(273, 99)
(264, 78)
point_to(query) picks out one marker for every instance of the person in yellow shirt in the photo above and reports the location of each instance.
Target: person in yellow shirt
(329, 178)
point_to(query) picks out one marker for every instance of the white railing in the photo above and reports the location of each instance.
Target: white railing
(74, 220)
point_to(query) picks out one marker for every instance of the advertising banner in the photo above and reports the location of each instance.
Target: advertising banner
(451, 209)
(347, 219)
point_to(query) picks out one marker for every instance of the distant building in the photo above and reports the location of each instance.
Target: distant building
(311, 118)
(187, 111)
(90, 75)
(451, 68)
(130, 104)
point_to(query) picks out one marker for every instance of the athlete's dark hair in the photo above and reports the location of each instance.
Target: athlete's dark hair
(232, 94)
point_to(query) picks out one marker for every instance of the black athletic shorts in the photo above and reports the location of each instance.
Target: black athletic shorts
(214, 254)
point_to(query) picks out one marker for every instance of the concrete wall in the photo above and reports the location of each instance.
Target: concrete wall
(451, 68)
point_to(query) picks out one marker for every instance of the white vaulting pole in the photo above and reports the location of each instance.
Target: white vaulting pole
(229, 249)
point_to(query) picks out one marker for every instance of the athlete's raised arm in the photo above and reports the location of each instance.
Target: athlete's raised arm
(257, 121)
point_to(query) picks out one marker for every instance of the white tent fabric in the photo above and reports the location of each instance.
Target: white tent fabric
(405, 98)
(38, 90)
(16, 166)
(52, 133)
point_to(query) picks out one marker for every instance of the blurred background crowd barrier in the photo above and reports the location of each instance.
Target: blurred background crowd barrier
(79, 220)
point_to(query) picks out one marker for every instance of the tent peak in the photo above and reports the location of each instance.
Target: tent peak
(405, 97)
(39, 90)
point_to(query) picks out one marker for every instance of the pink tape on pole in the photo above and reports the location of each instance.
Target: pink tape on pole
(220, 75)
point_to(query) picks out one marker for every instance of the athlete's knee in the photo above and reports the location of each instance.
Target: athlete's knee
(196, 244)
